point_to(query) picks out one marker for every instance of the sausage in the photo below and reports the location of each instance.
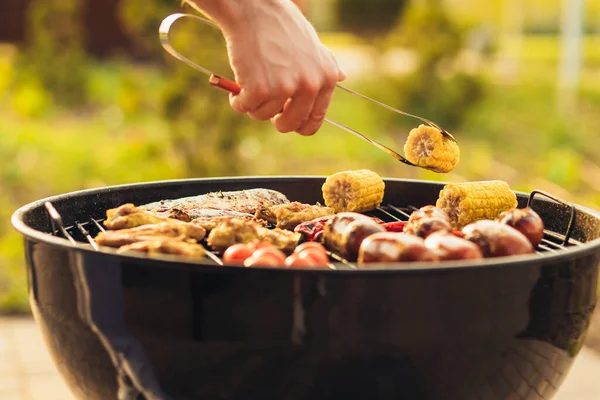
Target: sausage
(448, 246)
(393, 247)
(526, 221)
(426, 220)
(496, 240)
(345, 231)
(354, 234)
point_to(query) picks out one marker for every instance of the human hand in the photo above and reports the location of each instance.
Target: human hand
(285, 72)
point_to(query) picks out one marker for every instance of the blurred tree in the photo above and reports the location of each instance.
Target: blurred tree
(369, 18)
(204, 129)
(437, 89)
(54, 49)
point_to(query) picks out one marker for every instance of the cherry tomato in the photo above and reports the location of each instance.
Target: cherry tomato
(265, 260)
(310, 245)
(317, 257)
(259, 245)
(295, 261)
(271, 251)
(237, 253)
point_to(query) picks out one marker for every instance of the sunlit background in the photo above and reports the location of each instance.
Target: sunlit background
(88, 98)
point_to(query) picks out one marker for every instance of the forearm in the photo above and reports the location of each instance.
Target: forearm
(230, 13)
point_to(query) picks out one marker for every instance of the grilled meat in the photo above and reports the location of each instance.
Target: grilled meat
(526, 221)
(344, 233)
(201, 213)
(243, 201)
(496, 239)
(427, 220)
(388, 247)
(137, 221)
(166, 246)
(148, 232)
(211, 223)
(129, 216)
(450, 247)
(288, 216)
(234, 230)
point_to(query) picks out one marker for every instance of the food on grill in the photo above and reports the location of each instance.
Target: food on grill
(448, 246)
(388, 247)
(396, 226)
(353, 191)
(526, 221)
(200, 213)
(166, 246)
(242, 201)
(268, 256)
(288, 216)
(427, 148)
(117, 238)
(309, 254)
(344, 233)
(132, 220)
(496, 239)
(312, 230)
(130, 216)
(235, 230)
(210, 223)
(427, 220)
(473, 201)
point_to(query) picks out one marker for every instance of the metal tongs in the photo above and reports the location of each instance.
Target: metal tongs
(232, 87)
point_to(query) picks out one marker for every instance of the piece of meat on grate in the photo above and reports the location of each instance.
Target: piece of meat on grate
(288, 216)
(234, 230)
(242, 201)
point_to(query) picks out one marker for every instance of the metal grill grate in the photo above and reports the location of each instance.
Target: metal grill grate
(82, 232)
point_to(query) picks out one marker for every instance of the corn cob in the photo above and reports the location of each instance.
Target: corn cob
(472, 201)
(353, 191)
(427, 148)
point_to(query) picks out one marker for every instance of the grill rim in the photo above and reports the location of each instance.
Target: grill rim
(18, 222)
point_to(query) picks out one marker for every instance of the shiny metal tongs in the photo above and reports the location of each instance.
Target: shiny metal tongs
(230, 86)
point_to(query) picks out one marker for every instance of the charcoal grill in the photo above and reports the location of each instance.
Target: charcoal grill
(138, 327)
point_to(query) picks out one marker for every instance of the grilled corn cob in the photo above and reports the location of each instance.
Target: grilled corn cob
(353, 191)
(427, 148)
(472, 201)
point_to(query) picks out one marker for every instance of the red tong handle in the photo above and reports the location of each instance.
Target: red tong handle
(224, 84)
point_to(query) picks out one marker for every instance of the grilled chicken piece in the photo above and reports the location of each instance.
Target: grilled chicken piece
(137, 221)
(130, 216)
(235, 230)
(211, 223)
(166, 246)
(202, 213)
(147, 232)
(242, 201)
(288, 216)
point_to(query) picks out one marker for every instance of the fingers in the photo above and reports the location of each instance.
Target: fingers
(317, 115)
(297, 111)
(248, 100)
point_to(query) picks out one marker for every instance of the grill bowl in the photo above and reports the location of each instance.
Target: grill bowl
(487, 329)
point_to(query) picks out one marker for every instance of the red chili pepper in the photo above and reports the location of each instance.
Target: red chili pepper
(397, 226)
(312, 229)
(459, 234)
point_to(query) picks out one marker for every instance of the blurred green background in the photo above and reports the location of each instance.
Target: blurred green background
(88, 98)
